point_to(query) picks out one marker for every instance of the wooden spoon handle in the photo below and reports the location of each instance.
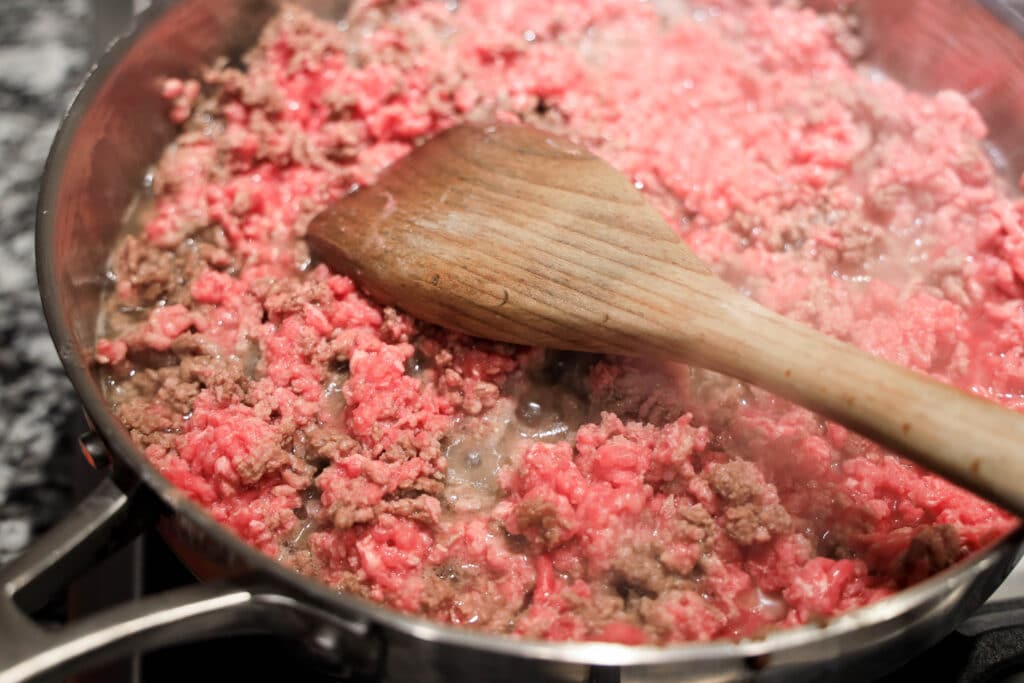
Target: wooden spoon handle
(965, 438)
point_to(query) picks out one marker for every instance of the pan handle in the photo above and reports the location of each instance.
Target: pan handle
(108, 517)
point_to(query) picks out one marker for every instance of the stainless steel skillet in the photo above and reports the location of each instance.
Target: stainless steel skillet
(116, 128)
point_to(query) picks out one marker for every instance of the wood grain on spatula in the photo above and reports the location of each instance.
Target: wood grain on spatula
(509, 233)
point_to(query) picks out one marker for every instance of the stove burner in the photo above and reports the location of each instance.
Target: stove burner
(988, 648)
(148, 566)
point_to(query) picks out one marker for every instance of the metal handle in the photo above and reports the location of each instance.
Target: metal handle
(107, 517)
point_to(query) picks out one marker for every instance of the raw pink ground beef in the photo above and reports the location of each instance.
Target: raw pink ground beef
(553, 496)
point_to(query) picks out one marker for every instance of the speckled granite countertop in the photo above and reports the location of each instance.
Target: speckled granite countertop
(45, 46)
(43, 54)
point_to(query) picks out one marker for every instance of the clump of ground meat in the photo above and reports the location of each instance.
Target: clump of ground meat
(550, 495)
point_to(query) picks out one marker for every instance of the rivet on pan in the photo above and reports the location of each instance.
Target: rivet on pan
(325, 640)
(94, 450)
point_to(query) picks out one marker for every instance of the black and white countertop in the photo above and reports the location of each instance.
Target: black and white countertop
(44, 52)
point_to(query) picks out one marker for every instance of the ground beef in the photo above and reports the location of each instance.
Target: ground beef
(146, 273)
(934, 548)
(738, 481)
(637, 390)
(554, 495)
(150, 422)
(748, 524)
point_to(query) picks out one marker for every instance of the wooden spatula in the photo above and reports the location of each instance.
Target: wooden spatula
(511, 234)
